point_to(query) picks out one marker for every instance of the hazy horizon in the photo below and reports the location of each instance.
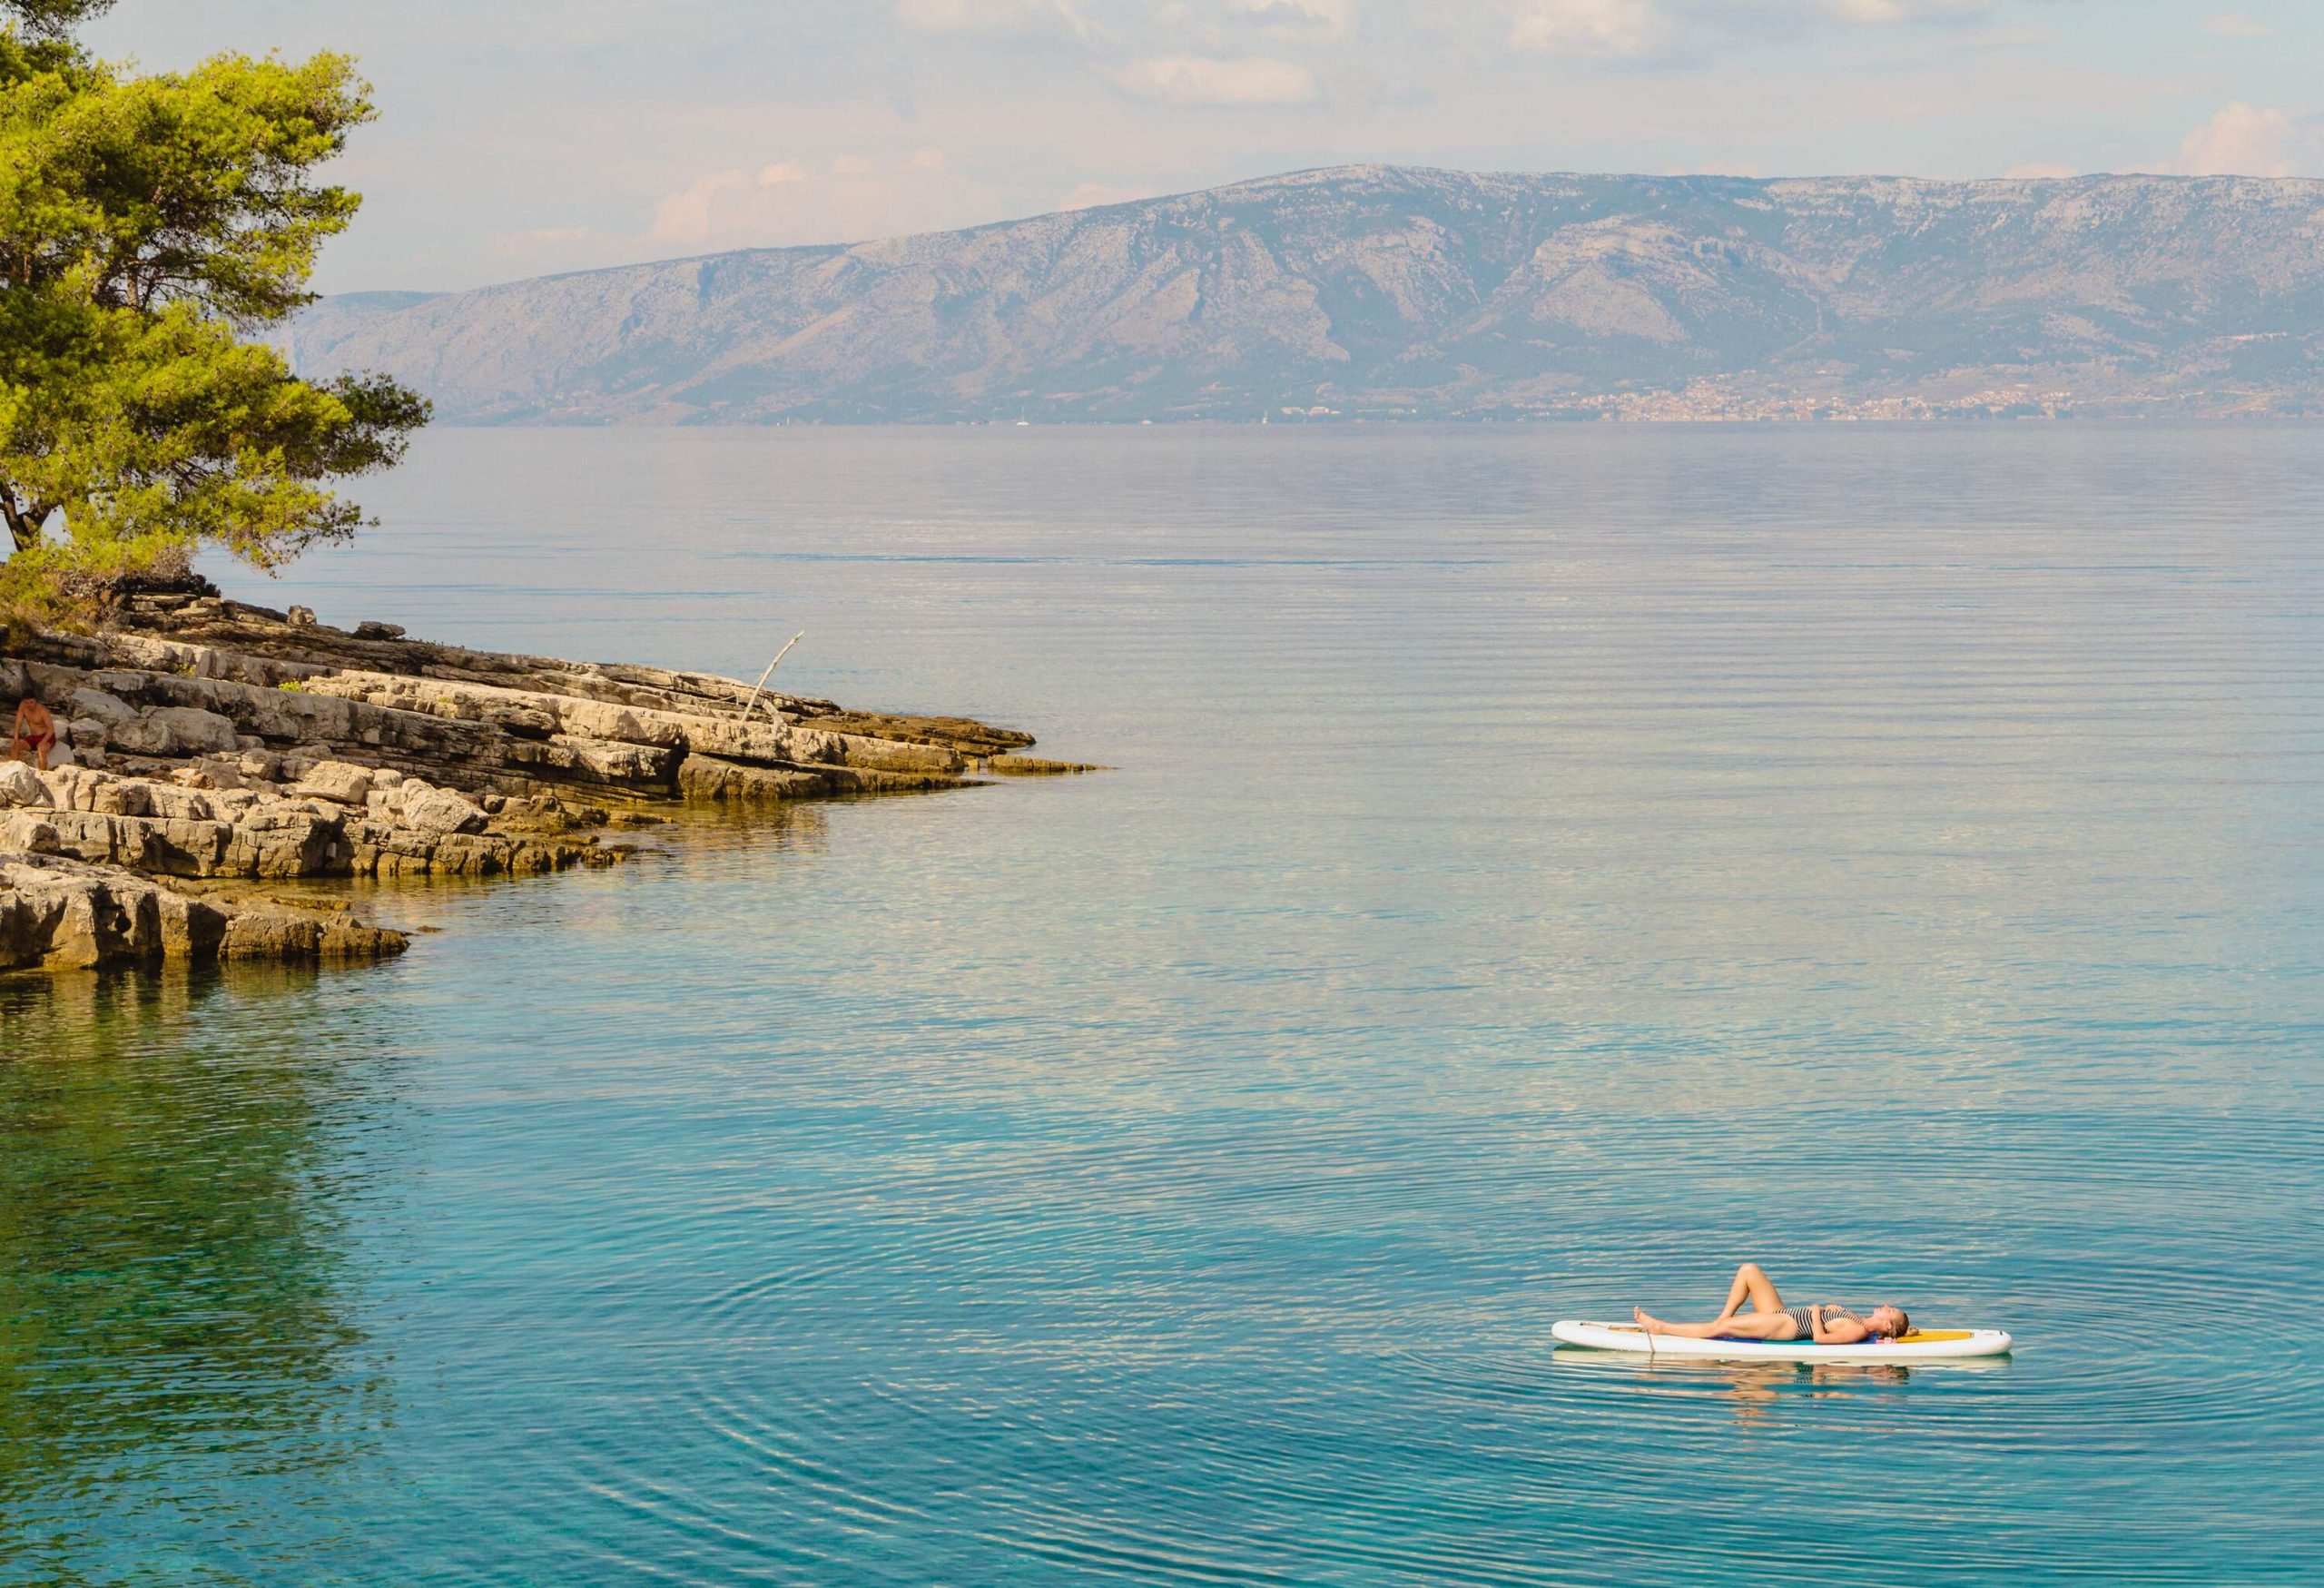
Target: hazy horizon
(521, 140)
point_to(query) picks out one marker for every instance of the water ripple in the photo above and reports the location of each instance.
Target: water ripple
(1544, 870)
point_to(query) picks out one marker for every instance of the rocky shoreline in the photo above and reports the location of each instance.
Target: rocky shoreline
(212, 748)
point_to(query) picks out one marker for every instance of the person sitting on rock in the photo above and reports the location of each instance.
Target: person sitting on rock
(34, 734)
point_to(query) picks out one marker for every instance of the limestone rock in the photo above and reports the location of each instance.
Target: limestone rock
(26, 832)
(353, 940)
(705, 777)
(647, 768)
(114, 796)
(20, 786)
(212, 773)
(279, 842)
(191, 931)
(279, 935)
(294, 937)
(178, 804)
(97, 837)
(245, 746)
(103, 707)
(1035, 766)
(176, 730)
(78, 920)
(442, 811)
(64, 913)
(22, 934)
(885, 756)
(64, 785)
(341, 782)
(105, 922)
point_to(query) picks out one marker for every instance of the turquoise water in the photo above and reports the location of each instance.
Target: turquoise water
(1546, 867)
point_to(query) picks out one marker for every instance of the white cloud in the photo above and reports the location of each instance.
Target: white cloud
(584, 128)
(1198, 80)
(1091, 195)
(2241, 141)
(992, 17)
(2235, 25)
(1887, 13)
(1635, 29)
(1589, 27)
(1292, 18)
(540, 243)
(788, 201)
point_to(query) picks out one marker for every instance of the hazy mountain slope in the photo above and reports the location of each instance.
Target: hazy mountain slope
(1380, 289)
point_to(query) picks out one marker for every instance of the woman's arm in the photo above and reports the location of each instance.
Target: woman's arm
(1844, 1331)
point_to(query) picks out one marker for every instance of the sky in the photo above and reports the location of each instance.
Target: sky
(520, 137)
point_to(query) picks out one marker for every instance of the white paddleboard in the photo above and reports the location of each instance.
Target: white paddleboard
(1920, 1346)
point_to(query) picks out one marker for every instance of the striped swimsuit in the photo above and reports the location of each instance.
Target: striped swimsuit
(1803, 1327)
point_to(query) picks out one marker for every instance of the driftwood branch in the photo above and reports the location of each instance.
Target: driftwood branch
(751, 705)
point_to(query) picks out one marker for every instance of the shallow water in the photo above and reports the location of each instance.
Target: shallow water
(1545, 866)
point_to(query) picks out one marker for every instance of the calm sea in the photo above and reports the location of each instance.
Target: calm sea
(1546, 867)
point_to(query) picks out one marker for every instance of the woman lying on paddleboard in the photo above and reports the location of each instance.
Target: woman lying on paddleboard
(1826, 1322)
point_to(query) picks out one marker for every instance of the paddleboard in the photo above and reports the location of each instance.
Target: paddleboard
(1920, 1346)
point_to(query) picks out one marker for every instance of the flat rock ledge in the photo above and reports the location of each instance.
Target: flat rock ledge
(212, 747)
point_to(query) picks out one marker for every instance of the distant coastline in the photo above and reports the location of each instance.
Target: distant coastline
(1387, 293)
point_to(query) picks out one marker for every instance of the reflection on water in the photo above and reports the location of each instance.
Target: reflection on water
(1760, 1390)
(1544, 869)
(175, 1337)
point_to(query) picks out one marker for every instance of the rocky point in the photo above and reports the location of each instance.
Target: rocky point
(211, 748)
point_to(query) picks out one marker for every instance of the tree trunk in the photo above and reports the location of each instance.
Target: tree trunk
(24, 528)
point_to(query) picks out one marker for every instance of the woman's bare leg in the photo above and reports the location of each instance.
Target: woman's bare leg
(1754, 1326)
(1752, 1285)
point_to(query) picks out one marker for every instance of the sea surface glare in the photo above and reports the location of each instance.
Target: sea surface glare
(1546, 866)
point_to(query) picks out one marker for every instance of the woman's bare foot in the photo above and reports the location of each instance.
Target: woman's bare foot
(1647, 1321)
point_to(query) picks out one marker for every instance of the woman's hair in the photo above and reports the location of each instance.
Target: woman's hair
(1903, 1323)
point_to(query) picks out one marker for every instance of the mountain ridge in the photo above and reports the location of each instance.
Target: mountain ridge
(1400, 291)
